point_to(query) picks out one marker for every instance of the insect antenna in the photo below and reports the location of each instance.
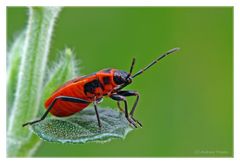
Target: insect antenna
(131, 68)
(155, 61)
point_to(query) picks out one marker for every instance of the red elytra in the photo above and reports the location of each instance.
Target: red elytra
(76, 88)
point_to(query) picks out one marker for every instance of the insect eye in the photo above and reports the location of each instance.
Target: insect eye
(120, 77)
(118, 80)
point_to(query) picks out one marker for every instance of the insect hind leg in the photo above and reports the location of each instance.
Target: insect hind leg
(62, 98)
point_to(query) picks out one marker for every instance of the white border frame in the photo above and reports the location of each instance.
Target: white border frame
(3, 39)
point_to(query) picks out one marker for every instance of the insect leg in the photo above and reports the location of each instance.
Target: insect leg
(119, 106)
(62, 98)
(98, 119)
(132, 93)
(122, 98)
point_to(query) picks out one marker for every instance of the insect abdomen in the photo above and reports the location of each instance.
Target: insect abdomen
(65, 108)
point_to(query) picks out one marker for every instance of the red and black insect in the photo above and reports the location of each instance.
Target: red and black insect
(77, 94)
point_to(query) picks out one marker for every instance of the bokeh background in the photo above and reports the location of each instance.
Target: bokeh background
(186, 104)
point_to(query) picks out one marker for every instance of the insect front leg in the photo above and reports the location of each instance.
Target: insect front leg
(122, 98)
(131, 93)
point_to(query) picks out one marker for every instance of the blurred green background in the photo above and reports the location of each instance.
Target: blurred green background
(186, 103)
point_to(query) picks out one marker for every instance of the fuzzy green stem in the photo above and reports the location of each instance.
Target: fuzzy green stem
(30, 79)
(13, 63)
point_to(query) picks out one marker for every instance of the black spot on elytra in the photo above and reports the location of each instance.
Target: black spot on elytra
(106, 80)
(91, 86)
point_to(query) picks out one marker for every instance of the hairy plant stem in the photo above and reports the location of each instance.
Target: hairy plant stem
(20, 141)
(13, 63)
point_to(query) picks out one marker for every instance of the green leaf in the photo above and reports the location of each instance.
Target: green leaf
(83, 127)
